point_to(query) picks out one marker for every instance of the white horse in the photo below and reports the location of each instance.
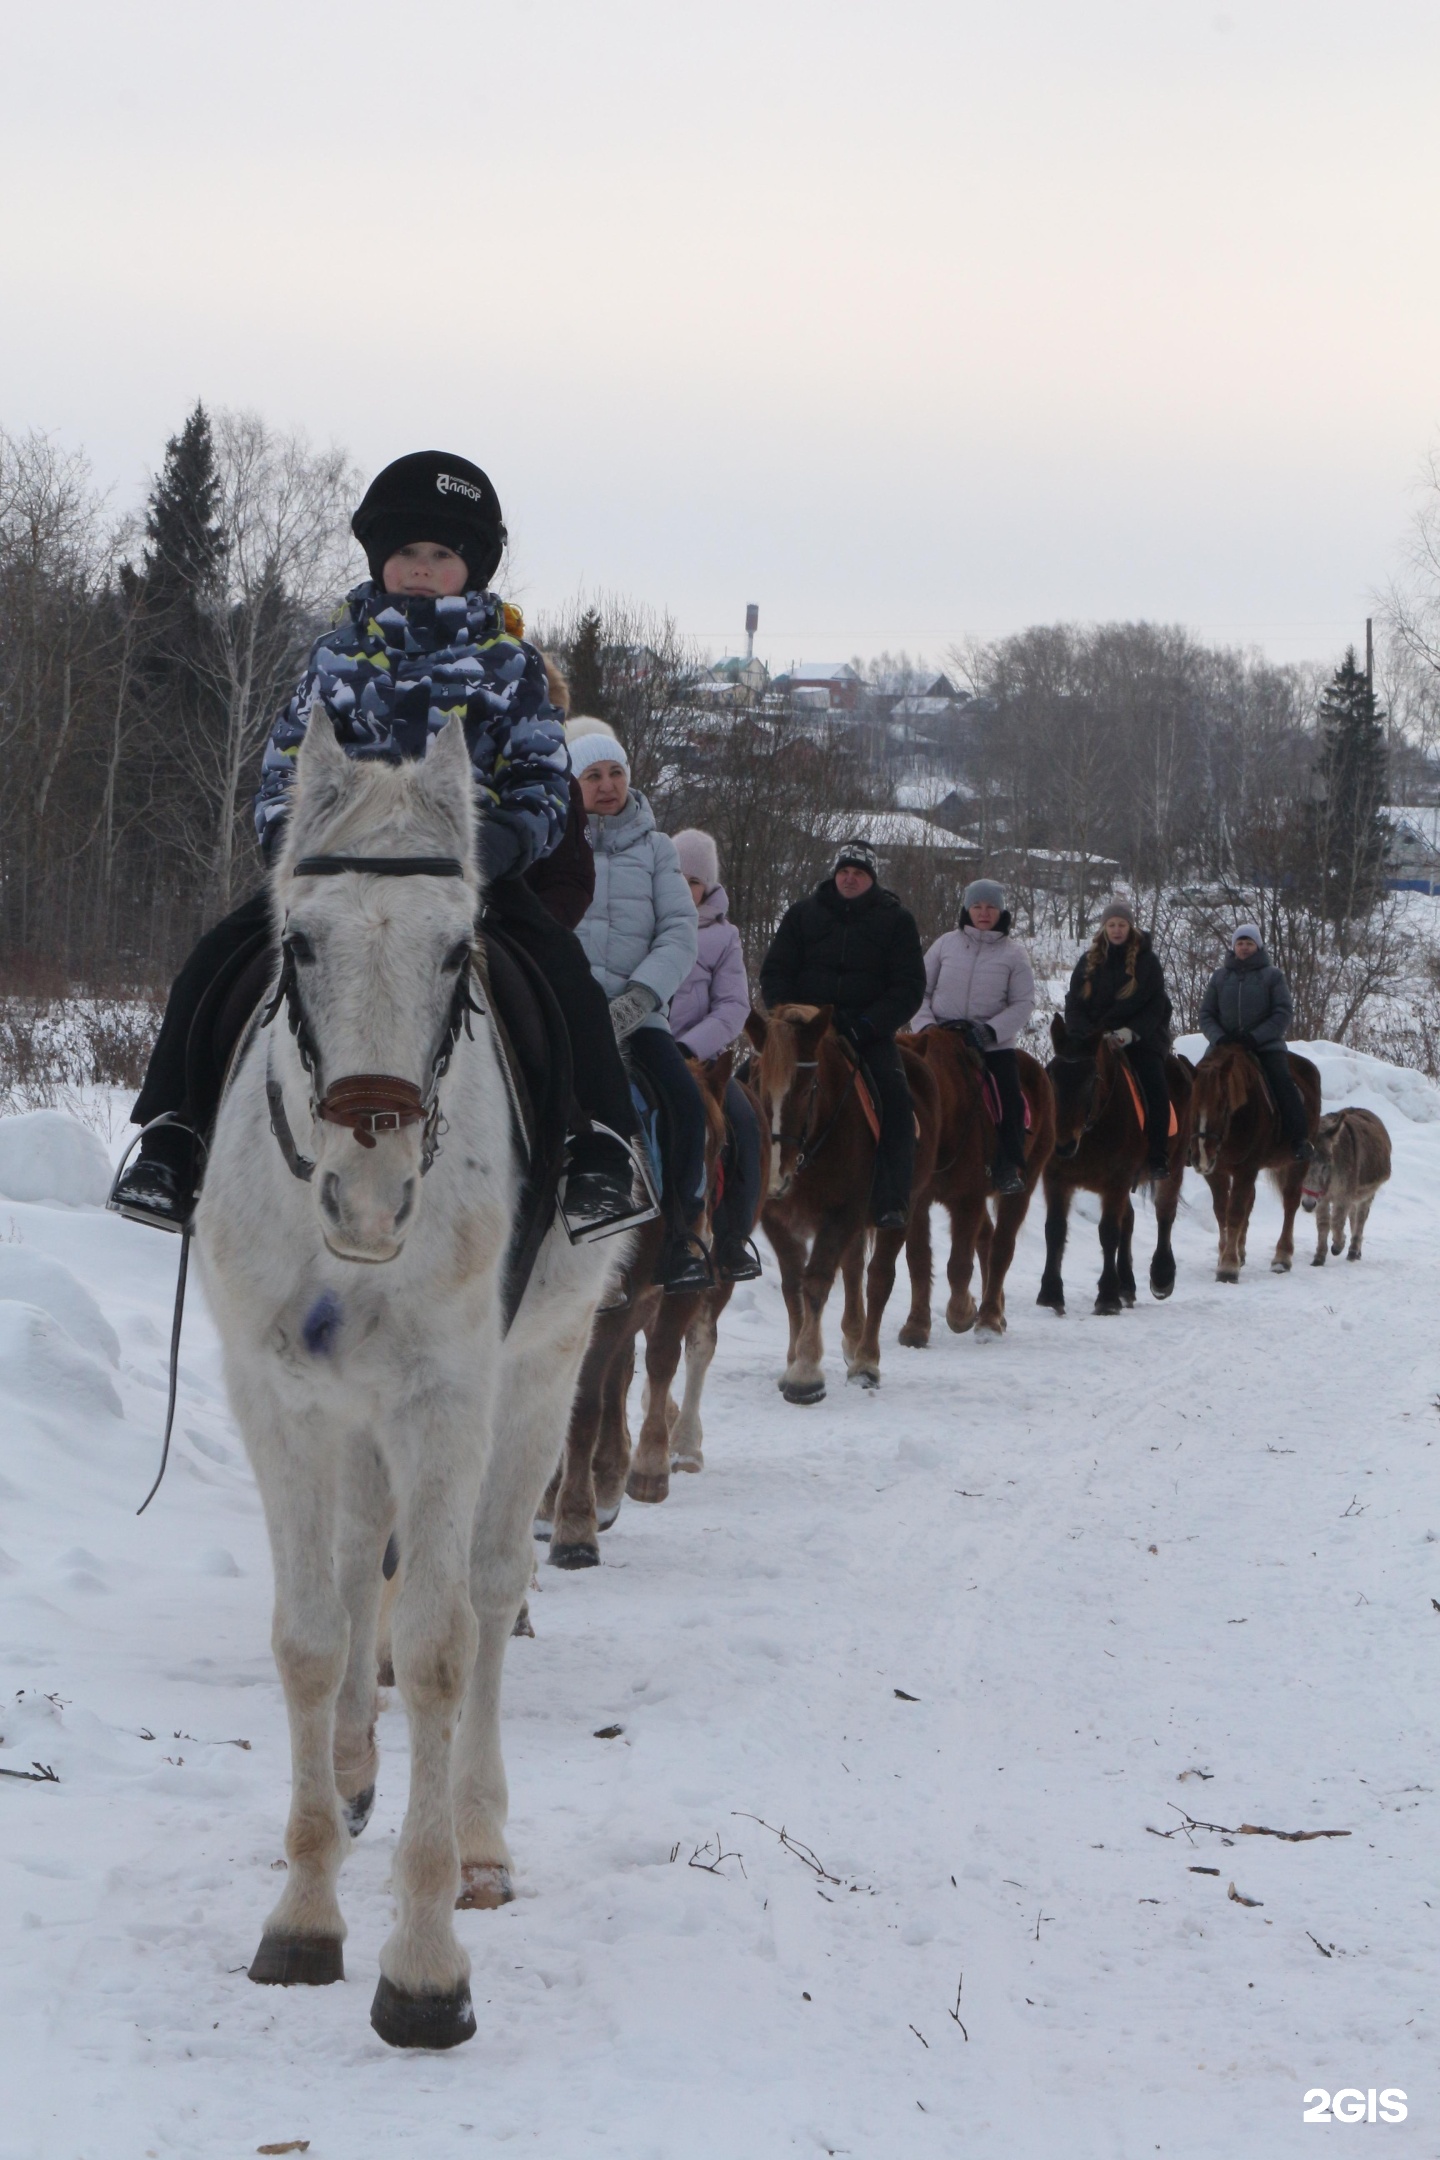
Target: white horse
(374, 1397)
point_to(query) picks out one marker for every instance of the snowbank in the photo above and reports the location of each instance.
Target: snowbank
(45, 1155)
(1354, 1077)
(28, 1278)
(42, 1364)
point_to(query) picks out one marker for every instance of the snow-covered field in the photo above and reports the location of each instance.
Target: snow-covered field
(1177, 1564)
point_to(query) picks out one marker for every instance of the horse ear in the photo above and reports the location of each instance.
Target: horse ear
(717, 1074)
(322, 770)
(446, 778)
(1237, 1084)
(1057, 1032)
(757, 1027)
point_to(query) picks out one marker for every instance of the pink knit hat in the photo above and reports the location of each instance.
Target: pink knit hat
(699, 857)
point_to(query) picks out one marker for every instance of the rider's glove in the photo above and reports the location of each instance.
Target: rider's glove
(1122, 1036)
(630, 1006)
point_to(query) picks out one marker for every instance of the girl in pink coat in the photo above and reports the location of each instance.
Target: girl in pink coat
(979, 981)
(707, 1014)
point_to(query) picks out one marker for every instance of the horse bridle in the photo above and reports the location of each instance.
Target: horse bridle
(806, 1150)
(368, 1103)
(1099, 1104)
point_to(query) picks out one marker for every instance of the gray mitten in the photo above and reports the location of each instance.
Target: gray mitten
(630, 1006)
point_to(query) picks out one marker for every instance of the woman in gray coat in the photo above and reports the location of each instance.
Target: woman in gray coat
(640, 934)
(979, 981)
(1248, 1001)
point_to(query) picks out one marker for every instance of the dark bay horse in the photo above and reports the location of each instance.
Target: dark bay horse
(961, 1185)
(1100, 1148)
(817, 1210)
(1237, 1133)
(584, 1495)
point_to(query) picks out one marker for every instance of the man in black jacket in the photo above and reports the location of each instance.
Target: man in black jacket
(852, 945)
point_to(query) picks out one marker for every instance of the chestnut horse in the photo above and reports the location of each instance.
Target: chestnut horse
(583, 1497)
(961, 1185)
(1100, 1148)
(818, 1207)
(1237, 1134)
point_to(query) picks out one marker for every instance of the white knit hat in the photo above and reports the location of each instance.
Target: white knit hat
(699, 856)
(591, 742)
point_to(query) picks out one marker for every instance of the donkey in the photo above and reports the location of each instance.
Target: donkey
(821, 1171)
(1237, 1134)
(359, 1303)
(1100, 1148)
(1352, 1162)
(961, 1185)
(589, 1482)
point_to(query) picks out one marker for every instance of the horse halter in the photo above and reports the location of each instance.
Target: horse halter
(369, 1103)
(807, 1149)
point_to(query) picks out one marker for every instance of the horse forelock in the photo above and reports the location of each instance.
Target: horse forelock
(382, 810)
(781, 1053)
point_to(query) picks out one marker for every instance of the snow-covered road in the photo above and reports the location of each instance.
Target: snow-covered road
(1179, 1563)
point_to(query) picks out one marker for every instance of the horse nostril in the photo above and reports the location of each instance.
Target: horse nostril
(407, 1205)
(330, 1196)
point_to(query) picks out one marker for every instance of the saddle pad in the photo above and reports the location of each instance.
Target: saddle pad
(990, 1095)
(1139, 1101)
(867, 1103)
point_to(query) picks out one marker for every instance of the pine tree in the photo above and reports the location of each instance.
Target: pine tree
(1352, 771)
(186, 542)
(585, 668)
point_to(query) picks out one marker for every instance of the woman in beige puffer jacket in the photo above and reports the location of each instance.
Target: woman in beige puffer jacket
(979, 981)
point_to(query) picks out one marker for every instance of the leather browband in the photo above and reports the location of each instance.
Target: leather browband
(379, 866)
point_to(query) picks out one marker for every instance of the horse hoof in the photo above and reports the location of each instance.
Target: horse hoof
(648, 1485)
(485, 1886)
(298, 1961)
(1279, 1267)
(385, 1673)
(357, 1812)
(1353, 1256)
(914, 1337)
(1319, 1260)
(1108, 1308)
(991, 1325)
(1162, 1289)
(542, 1530)
(863, 1376)
(1231, 1275)
(803, 1391)
(574, 1556)
(605, 1516)
(1128, 1300)
(1055, 1300)
(691, 1463)
(422, 2021)
(523, 1624)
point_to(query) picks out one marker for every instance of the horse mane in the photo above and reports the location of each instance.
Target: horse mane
(1227, 1068)
(1099, 946)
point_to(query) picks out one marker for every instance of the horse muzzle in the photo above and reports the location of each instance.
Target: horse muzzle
(367, 1201)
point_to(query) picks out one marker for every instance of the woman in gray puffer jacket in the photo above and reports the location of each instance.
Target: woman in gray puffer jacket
(1248, 1001)
(979, 981)
(640, 935)
(709, 1012)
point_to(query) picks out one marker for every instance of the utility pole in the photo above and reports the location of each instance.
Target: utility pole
(1369, 658)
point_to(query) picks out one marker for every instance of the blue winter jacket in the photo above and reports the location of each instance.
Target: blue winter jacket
(1247, 997)
(641, 926)
(391, 671)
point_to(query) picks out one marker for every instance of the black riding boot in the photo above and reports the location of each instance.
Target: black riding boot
(1010, 1139)
(1148, 1065)
(1275, 1064)
(895, 1155)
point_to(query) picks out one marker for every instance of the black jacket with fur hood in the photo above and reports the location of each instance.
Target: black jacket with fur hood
(1119, 986)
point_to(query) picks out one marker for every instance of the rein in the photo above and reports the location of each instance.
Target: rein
(368, 1103)
(807, 1149)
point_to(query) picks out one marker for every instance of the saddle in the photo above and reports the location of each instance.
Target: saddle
(1139, 1101)
(532, 1038)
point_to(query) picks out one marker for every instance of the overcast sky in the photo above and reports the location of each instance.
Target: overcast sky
(911, 323)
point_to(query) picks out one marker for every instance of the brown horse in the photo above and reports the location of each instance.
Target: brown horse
(1237, 1134)
(1100, 1148)
(671, 1436)
(961, 1185)
(818, 1208)
(584, 1495)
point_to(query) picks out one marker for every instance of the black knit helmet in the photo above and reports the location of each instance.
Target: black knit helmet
(433, 496)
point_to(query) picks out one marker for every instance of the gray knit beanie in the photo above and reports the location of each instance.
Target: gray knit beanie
(1117, 904)
(984, 892)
